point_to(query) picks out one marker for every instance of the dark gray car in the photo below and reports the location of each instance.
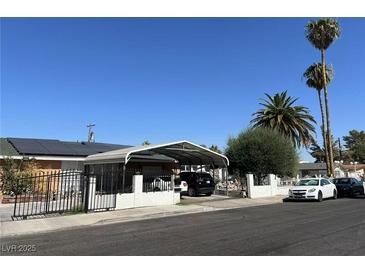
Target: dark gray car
(350, 187)
(198, 183)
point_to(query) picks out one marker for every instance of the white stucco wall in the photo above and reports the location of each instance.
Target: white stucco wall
(125, 200)
(283, 190)
(141, 199)
(261, 191)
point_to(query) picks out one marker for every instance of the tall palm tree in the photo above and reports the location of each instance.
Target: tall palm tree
(318, 153)
(321, 34)
(279, 113)
(314, 77)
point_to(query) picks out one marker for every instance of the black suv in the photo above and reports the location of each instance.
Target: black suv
(198, 183)
(349, 187)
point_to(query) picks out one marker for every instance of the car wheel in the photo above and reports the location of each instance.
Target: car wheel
(191, 192)
(334, 194)
(209, 194)
(320, 196)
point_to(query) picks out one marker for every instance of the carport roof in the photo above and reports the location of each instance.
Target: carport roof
(185, 152)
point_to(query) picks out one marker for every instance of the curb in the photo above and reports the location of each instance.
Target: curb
(53, 224)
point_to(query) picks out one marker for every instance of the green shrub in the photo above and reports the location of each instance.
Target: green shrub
(261, 152)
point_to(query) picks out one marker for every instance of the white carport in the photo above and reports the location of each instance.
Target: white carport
(170, 154)
(185, 152)
(181, 152)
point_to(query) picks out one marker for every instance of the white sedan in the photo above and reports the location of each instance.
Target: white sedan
(313, 189)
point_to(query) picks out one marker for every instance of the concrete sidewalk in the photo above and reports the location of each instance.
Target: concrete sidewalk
(11, 228)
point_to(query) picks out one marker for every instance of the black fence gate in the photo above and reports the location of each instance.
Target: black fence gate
(61, 192)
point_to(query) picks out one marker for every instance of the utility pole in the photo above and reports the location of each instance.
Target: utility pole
(91, 134)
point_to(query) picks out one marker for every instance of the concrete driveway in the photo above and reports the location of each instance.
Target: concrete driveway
(186, 200)
(6, 210)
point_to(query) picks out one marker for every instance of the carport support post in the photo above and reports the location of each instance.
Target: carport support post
(226, 177)
(213, 175)
(123, 178)
(86, 179)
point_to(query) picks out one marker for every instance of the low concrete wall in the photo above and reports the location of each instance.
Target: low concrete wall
(261, 191)
(125, 200)
(283, 190)
(140, 199)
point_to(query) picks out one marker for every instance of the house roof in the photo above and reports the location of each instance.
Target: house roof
(6, 148)
(352, 167)
(185, 152)
(323, 166)
(312, 166)
(51, 147)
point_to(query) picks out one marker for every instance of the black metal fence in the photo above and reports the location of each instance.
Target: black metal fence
(128, 184)
(72, 191)
(51, 192)
(64, 191)
(101, 190)
(153, 183)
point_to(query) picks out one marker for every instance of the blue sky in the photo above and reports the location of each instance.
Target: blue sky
(166, 79)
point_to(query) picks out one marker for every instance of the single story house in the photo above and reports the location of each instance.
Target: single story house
(341, 170)
(106, 176)
(51, 154)
(312, 170)
(357, 171)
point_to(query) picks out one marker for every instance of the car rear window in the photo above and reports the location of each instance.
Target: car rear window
(185, 175)
(204, 175)
(344, 181)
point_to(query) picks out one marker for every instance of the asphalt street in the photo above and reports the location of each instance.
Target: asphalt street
(333, 227)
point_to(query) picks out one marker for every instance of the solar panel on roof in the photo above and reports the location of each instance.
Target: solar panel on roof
(60, 148)
(55, 147)
(28, 146)
(86, 149)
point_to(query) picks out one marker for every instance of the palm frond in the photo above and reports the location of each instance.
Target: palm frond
(314, 76)
(281, 114)
(323, 32)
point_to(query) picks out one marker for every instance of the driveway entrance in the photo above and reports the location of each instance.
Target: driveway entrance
(186, 200)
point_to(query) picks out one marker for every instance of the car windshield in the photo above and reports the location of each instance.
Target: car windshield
(308, 182)
(343, 181)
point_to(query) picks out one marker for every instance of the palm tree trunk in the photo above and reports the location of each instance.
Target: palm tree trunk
(329, 141)
(324, 131)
